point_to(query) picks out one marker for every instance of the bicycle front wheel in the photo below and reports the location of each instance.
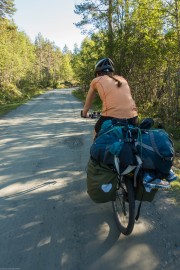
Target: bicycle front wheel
(124, 207)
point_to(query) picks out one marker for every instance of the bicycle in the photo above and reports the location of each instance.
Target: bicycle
(124, 205)
(126, 194)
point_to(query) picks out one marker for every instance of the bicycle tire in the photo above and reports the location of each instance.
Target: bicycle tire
(124, 207)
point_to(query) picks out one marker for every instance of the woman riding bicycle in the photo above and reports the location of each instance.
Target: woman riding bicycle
(115, 94)
(117, 103)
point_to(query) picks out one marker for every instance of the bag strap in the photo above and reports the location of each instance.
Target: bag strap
(137, 169)
(152, 138)
(139, 207)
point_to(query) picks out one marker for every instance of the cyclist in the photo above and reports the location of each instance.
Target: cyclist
(117, 104)
(115, 94)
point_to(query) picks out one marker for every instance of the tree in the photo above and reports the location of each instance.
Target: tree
(45, 55)
(172, 20)
(92, 49)
(100, 15)
(7, 7)
(142, 37)
(16, 59)
(67, 73)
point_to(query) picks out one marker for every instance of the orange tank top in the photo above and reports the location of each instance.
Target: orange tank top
(116, 101)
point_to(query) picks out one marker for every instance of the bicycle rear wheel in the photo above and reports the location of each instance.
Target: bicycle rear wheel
(124, 206)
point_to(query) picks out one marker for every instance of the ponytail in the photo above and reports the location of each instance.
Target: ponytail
(110, 75)
(119, 83)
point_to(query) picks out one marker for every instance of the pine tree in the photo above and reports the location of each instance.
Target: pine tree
(7, 7)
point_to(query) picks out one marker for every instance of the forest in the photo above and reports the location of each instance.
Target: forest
(142, 37)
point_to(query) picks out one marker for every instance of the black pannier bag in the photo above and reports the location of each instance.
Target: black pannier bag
(141, 194)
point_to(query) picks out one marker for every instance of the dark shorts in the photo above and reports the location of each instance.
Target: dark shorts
(131, 121)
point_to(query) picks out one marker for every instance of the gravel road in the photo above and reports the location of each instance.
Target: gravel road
(47, 220)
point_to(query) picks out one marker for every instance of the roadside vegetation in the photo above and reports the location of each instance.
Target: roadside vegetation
(142, 37)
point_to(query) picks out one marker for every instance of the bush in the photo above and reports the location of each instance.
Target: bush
(9, 93)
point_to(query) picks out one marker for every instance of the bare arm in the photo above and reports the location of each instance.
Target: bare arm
(89, 100)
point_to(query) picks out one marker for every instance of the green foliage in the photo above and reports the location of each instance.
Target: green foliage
(66, 68)
(52, 66)
(7, 8)
(26, 67)
(175, 189)
(16, 54)
(145, 47)
(9, 93)
(79, 94)
(96, 105)
(5, 108)
(83, 62)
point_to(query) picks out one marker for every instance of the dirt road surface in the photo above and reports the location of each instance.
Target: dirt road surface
(47, 220)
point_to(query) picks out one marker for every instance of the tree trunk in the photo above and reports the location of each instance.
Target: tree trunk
(110, 30)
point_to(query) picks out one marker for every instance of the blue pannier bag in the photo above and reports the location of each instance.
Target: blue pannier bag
(114, 140)
(108, 143)
(156, 150)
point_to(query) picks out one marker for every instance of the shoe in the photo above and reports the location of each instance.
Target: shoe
(158, 183)
(172, 176)
(147, 178)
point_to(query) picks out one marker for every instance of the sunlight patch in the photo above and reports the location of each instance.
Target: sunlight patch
(140, 255)
(64, 258)
(103, 231)
(142, 226)
(31, 224)
(45, 241)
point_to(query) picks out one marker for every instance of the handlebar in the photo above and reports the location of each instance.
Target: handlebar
(91, 115)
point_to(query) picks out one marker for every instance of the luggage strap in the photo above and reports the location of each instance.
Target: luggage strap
(152, 138)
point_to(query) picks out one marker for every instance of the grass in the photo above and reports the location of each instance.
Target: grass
(5, 108)
(175, 190)
(79, 94)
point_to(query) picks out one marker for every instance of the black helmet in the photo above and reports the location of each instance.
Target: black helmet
(105, 64)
